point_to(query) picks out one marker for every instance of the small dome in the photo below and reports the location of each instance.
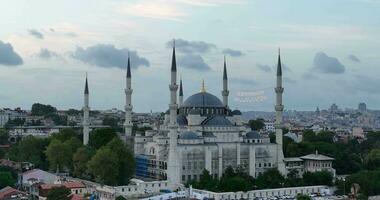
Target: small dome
(189, 136)
(236, 112)
(208, 134)
(216, 120)
(203, 99)
(253, 135)
(181, 120)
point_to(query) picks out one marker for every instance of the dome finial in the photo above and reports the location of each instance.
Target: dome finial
(203, 89)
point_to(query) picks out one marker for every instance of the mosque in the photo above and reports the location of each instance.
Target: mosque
(198, 133)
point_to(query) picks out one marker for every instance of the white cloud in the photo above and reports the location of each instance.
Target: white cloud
(155, 10)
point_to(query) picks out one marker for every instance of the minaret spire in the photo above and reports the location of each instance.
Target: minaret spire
(279, 67)
(129, 67)
(86, 115)
(174, 63)
(278, 124)
(225, 91)
(180, 98)
(128, 105)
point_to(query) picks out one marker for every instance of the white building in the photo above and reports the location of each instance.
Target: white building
(310, 163)
(204, 133)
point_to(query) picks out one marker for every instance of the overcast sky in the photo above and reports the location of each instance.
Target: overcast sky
(330, 50)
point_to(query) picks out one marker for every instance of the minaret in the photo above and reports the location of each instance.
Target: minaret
(86, 115)
(173, 162)
(225, 91)
(180, 98)
(278, 124)
(128, 103)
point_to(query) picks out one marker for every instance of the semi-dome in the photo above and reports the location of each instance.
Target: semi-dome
(216, 120)
(253, 135)
(202, 99)
(189, 135)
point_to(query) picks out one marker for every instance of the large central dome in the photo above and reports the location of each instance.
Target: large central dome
(203, 99)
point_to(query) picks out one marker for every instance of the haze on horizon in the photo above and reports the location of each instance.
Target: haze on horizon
(329, 49)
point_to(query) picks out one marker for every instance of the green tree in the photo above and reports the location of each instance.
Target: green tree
(59, 193)
(59, 155)
(100, 137)
(309, 136)
(125, 159)
(303, 197)
(372, 161)
(30, 149)
(42, 110)
(6, 179)
(65, 134)
(111, 121)
(256, 124)
(4, 136)
(73, 112)
(369, 182)
(80, 159)
(318, 178)
(102, 166)
(272, 178)
(120, 198)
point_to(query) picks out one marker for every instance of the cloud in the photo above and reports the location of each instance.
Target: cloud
(243, 81)
(185, 46)
(210, 2)
(354, 58)
(8, 56)
(36, 34)
(154, 10)
(46, 54)
(328, 65)
(289, 80)
(232, 52)
(264, 68)
(361, 84)
(107, 55)
(193, 61)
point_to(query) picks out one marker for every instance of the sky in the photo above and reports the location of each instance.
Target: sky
(329, 50)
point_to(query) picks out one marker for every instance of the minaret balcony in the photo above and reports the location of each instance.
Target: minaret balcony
(173, 87)
(279, 89)
(225, 93)
(128, 108)
(279, 107)
(128, 91)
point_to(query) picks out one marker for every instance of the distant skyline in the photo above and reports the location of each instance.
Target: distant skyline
(329, 49)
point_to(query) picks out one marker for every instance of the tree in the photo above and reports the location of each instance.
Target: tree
(318, 178)
(65, 134)
(30, 149)
(102, 166)
(111, 121)
(100, 137)
(59, 193)
(42, 110)
(256, 124)
(3, 136)
(59, 155)
(6, 179)
(372, 161)
(80, 159)
(303, 197)
(73, 112)
(125, 159)
(120, 198)
(272, 178)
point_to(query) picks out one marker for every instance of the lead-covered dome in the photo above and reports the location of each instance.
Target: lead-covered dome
(201, 100)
